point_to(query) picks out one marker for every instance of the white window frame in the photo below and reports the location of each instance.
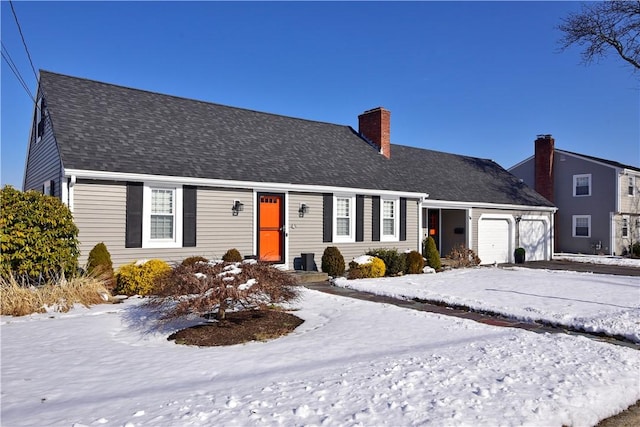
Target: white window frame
(395, 237)
(574, 221)
(352, 218)
(176, 240)
(632, 186)
(624, 230)
(575, 184)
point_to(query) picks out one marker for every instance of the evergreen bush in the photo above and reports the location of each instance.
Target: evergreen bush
(395, 263)
(415, 262)
(431, 253)
(99, 265)
(193, 260)
(372, 269)
(232, 255)
(38, 239)
(333, 262)
(139, 278)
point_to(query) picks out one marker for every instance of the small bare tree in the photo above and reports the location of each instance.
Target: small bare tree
(201, 288)
(602, 26)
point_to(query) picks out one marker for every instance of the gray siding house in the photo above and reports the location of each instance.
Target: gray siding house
(598, 200)
(154, 175)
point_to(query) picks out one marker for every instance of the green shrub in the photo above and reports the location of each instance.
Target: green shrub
(430, 252)
(38, 239)
(395, 263)
(333, 262)
(232, 255)
(194, 259)
(374, 268)
(463, 257)
(139, 278)
(635, 249)
(415, 262)
(99, 265)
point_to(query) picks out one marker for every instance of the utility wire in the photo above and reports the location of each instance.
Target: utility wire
(24, 43)
(14, 68)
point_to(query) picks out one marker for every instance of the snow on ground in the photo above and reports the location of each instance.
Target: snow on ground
(351, 363)
(591, 302)
(599, 259)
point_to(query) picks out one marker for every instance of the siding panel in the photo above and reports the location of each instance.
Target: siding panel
(43, 161)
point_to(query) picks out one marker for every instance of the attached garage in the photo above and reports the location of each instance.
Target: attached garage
(494, 240)
(534, 238)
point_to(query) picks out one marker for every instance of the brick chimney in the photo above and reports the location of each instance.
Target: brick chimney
(544, 147)
(375, 126)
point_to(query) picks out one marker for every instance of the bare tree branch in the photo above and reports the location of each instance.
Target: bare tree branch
(602, 26)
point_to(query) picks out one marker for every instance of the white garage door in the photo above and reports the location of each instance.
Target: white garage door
(534, 239)
(493, 241)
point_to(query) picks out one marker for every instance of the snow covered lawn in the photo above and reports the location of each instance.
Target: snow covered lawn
(351, 363)
(592, 302)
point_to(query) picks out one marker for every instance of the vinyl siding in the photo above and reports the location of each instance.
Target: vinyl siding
(629, 204)
(99, 213)
(43, 161)
(305, 234)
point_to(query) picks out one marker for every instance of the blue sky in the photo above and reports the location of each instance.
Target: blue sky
(473, 78)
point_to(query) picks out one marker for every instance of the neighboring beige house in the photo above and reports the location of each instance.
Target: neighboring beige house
(154, 175)
(598, 200)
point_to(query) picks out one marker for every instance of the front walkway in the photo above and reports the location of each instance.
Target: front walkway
(465, 313)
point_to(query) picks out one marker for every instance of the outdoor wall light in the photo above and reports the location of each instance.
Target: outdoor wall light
(237, 207)
(303, 210)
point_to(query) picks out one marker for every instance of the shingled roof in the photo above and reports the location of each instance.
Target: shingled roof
(109, 128)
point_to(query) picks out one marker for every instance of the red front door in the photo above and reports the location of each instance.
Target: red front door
(271, 227)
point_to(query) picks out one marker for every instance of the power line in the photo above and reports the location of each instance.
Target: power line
(7, 57)
(24, 43)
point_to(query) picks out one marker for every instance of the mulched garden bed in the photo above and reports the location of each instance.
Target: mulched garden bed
(239, 327)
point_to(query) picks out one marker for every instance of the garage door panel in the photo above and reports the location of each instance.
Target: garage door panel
(493, 241)
(534, 238)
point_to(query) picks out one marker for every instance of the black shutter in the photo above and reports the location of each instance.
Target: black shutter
(375, 218)
(359, 218)
(52, 187)
(403, 219)
(327, 217)
(133, 233)
(189, 205)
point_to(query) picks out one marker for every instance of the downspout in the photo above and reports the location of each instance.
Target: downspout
(72, 184)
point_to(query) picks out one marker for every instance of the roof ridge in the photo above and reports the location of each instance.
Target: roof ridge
(192, 99)
(613, 163)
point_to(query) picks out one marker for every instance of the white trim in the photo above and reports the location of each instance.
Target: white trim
(64, 191)
(255, 224)
(581, 157)
(223, 183)
(521, 163)
(470, 228)
(575, 186)
(444, 204)
(352, 219)
(396, 220)
(285, 255)
(573, 226)
(176, 241)
(631, 185)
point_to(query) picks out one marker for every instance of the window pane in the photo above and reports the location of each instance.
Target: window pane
(342, 208)
(582, 191)
(582, 222)
(582, 231)
(162, 201)
(342, 227)
(387, 209)
(631, 185)
(162, 226)
(388, 228)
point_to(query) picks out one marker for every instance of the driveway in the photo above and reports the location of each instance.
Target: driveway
(581, 267)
